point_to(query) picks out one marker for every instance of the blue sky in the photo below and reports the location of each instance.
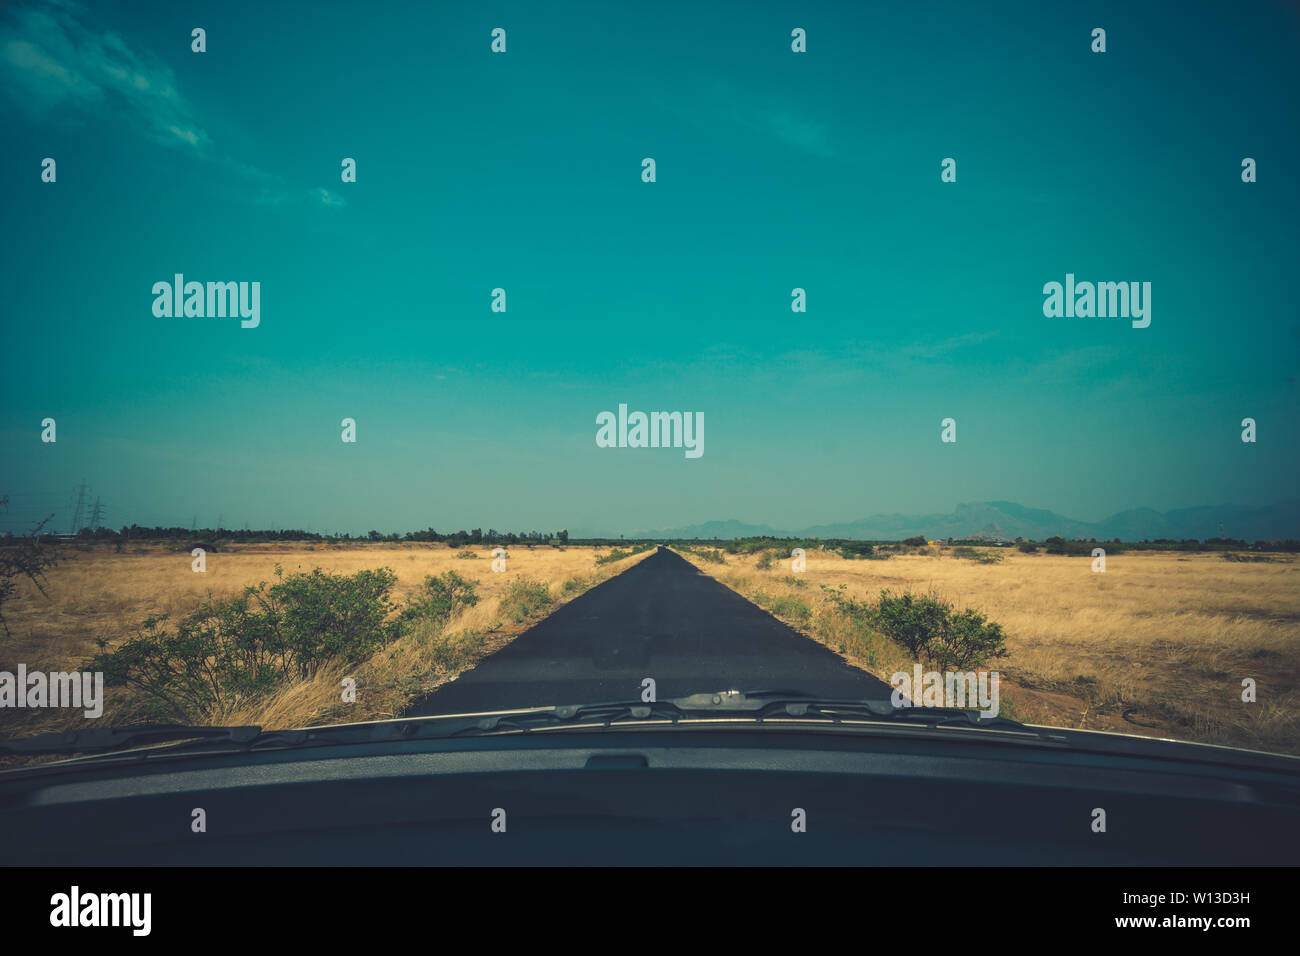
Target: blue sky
(522, 171)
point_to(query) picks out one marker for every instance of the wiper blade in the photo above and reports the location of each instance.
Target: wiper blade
(100, 739)
(758, 707)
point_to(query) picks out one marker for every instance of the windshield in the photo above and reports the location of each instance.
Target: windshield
(866, 363)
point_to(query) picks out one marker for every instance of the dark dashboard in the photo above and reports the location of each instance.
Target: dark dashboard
(667, 796)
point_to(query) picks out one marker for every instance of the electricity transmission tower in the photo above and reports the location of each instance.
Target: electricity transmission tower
(96, 514)
(80, 510)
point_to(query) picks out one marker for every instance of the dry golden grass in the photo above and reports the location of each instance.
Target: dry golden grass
(95, 593)
(1159, 643)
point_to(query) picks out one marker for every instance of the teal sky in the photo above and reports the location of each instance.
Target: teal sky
(523, 171)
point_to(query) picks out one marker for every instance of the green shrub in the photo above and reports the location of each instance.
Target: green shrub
(525, 598)
(856, 549)
(765, 561)
(909, 620)
(226, 652)
(441, 599)
(327, 617)
(930, 628)
(969, 640)
(466, 555)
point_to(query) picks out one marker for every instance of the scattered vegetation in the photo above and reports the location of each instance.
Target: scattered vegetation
(1157, 644)
(711, 555)
(1058, 545)
(231, 646)
(619, 555)
(979, 557)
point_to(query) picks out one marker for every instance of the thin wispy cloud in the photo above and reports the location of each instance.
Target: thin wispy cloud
(797, 131)
(775, 118)
(57, 65)
(279, 196)
(327, 198)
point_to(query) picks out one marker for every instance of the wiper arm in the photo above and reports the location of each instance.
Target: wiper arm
(608, 714)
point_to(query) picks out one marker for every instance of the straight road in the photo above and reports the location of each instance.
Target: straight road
(661, 618)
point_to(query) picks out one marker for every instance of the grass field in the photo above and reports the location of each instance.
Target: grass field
(1158, 643)
(95, 593)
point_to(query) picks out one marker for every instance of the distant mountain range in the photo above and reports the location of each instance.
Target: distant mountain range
(1006, 519)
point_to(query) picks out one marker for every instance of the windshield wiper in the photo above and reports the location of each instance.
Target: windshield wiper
(758, 707)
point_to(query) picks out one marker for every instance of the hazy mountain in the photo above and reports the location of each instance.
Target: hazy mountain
(1010, 520)
(969, 519)
(1281, 520)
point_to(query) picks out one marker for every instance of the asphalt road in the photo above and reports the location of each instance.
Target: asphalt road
(661, 618)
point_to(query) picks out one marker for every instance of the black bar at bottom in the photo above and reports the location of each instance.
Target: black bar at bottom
(239, 905)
